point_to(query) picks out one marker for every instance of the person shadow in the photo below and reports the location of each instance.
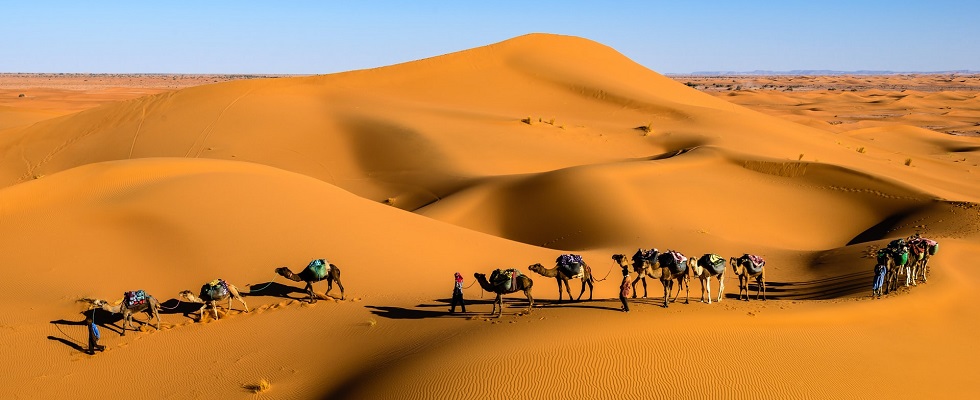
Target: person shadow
(103, 319)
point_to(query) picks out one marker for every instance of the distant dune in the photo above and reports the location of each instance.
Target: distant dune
(495, 157)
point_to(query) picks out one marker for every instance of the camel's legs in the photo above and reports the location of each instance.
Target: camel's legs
(568, 289)
(721, 287)
(153, 312)
(214, 308)
(761, 282)
(339, 285)
(309, 290)
(244, 306)
(687, 290)
(584, 282)
(706, 284)
(638, 278)
(530, 300)
(667, 286)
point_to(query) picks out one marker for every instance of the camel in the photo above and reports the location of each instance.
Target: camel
(127, 308)
(315, 273)
(562, 275)
(213, 292)
(896, 257)
(645, 265)
(672, 269)
(703, 268)
(745, 268)
(522, 283)
(922, 249)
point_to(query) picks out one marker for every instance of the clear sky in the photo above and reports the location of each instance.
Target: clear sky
(313, 37)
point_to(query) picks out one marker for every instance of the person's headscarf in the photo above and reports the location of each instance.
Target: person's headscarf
(459, 278)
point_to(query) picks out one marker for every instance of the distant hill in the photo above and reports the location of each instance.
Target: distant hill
(829, 72)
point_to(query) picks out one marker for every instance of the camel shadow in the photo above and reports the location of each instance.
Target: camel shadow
(413, 313)
(175, 306)
(420, 311)
(275, 290)
(834, 287)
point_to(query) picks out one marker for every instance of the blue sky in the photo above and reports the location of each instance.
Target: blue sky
(312, 37)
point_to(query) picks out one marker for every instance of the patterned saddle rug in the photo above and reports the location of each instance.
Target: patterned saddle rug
(713, 263)
(320, 268)
(674, 261)
(571, 265)
(754, 264)
(214, 290)
(134, 298)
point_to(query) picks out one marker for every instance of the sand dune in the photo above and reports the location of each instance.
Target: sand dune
(402, 175)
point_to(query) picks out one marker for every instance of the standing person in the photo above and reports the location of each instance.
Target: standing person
(93, 334)
(879, 280)
(625, 289)
(457, 295)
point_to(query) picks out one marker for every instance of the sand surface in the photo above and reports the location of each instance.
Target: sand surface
(402, 175)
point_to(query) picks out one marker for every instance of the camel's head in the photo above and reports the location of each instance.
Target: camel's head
(282, 271)
(736, 265)
(620, 259)
(187, 295)
(536, 267)
(693, 269)
(478, 275)
(99, 303)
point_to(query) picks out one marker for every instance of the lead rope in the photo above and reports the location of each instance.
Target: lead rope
(607, 272)
(266, 285)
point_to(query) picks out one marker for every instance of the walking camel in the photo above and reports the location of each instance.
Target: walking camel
(750, 267)
(566, 269)
(132, 302)
(673, 268)
(213, 292)
(706, 267)
(645, 265)
(316, 271)
(502, 286)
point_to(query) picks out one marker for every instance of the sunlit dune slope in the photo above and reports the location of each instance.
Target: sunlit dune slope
(418, 131)
(180, 223)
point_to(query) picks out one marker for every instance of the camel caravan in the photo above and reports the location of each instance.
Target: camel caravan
(905, 257)
(213, 293)
(908, 257)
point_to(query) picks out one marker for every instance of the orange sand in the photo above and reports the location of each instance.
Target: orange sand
(404, 174)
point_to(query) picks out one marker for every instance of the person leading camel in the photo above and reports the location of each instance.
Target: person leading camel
(457, 295)
(93, 334)
(880, 270)
(625, 288)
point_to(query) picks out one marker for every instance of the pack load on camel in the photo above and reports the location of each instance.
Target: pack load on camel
(505, 278)
(134, 298)
(713, 263)
(674, 261)
(645, 255)
(755, 263)
(571, 265)
(214, 290)
(319, 268)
